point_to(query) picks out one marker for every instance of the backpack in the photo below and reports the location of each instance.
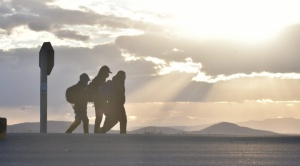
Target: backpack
(71, 94)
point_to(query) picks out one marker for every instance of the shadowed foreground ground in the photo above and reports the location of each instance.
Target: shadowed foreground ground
(147, 150)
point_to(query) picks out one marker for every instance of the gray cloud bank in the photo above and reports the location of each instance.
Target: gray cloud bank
(221, 57)
(19, 72)
(38, 16)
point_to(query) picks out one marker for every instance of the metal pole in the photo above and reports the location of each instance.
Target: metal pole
(3, 128)
(43, 95)
(46, 63)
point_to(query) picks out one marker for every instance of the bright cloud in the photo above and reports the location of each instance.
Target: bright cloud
(188, 67)
(131, 118)
(270, 101)
(192, 118)
(166, 68)
(202, 77)
(156, 61)
(129, 57)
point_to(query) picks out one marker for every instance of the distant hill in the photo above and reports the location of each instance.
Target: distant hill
(223, 128)
(52, 127)
(226, 128)
(157, 130)
(278, 125)
(191, 128)
(182, 128)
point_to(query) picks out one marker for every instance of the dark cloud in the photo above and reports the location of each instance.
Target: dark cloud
(20, 72)
(278, 56)
(20, 79)
(23, 13)
(39, 16)
(71, 35)
(46, 18)
(153, 45)
(4, 9)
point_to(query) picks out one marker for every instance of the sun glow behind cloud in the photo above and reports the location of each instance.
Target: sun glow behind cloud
(247, 21)
(231, 20)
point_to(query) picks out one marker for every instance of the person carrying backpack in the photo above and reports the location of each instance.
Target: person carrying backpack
(77, 96)
(116, 100)
(93, 88)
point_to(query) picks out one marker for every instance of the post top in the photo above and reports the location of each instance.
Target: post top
(47, 54)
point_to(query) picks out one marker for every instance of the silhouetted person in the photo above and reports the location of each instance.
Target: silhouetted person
(80, 104)
(116, 100)
(98, 103)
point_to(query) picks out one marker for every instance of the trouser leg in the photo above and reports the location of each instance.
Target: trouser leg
(98, 121)
(85, 125)
(108, 124)
(123, 121)
(99, 114)
(73, 126)
(123, 126)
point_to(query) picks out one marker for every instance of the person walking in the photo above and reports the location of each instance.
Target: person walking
(116, 100)
(79, 95)
(99, 104)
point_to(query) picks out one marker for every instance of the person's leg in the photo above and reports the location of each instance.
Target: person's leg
(109, 123)
(123, 121)
(98, 120)
(85, 121)
(97, 123)
(74, 125)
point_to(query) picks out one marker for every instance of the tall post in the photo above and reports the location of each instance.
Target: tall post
(46, 63)
(3, 124)
(43, 96)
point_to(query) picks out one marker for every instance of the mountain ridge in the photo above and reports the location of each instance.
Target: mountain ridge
(226, 128)
(286, 125)
(269, 125)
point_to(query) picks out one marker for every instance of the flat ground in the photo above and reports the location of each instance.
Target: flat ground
(147, 150)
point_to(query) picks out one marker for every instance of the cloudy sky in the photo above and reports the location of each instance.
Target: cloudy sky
(188, 62)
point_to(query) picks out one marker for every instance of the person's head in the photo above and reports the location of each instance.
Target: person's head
(120, 76)
(104, 71)
(84, 78)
